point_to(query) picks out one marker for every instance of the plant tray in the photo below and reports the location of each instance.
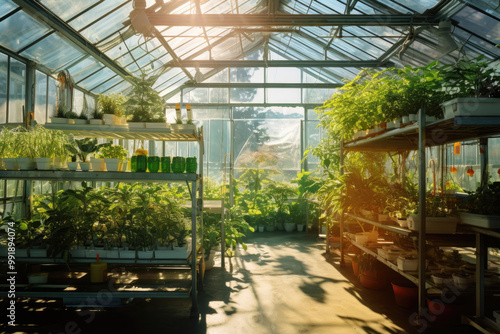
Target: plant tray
(471, 107)
(486, 221)
(435, 225)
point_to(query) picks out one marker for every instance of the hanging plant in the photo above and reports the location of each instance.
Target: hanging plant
(453, 169)
(470, 172)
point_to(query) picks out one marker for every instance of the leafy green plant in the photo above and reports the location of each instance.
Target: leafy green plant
(84, 147)
(145, 104)
(9, 143)
(485, 200)
(112, 104)
(471, 78)
(112, 152)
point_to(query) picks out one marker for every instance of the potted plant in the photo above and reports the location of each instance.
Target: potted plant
(473, 85)
(371, 274)
(113, 156)
(439, 216)
(82, 148)
(442, 278)
(408, 262)
(112, 108)
(463, 280)
(96, 116)
(482, 207)
(60, 115)
(145, 107)
(26, 151)
(9, 148)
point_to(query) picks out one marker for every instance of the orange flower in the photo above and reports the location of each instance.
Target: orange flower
(470, 172)
(498, 171)
(453, 169)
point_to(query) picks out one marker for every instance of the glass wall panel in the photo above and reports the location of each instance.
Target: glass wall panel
(20, 30)
(247, 95)
(317, 95)
(41, 97)
(17, 91)
(243, 74)
(4, 68)
(51, 96)
(283, 95)
(283, 74)
(77, 101)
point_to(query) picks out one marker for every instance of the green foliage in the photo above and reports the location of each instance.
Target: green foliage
(144, 104)
(112, 152)
(211, 190)
(84, 147)
(111, 104)
(307, 185)
(10, 145)
(485, 200)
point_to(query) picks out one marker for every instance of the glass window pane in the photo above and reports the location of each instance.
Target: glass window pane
(96, 12)
(53, 52)
(12, 186)
(96, 78)
(3, 87)
(283, 95)
(476, 22)
(41, 97)
(69, 8)
(7, 6)
(17, 91)
(283, 74)
(317, 95)
(51, 97)
(84, 68)
(108, 24)
(247, 95)
(20, 30)
(243, 74)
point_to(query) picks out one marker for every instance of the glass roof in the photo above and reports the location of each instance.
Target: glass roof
(100, 47)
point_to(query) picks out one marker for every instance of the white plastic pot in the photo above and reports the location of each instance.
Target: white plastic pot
(10, 163)
(441, 281)
(300, 227)
(94, 121)
(462, 283)
(85, 166)
(59, 120)
(262, 228)
(290, 227)
(136, 125)
(26, 163)
(44, 163)
(112, 165)
(97, 164)
(73, 165)
(407, 264)
(127, 254)
(79, 121)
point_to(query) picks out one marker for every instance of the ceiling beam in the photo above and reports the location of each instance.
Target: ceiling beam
(38, 11)
(262, 85)
(278, 63)
(259, 20)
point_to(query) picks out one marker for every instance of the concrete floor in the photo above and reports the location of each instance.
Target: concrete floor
(283, 283)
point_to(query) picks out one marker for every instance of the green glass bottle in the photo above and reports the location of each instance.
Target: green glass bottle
(165, 164)
(142, 163)
(191, 165)
(177, 165)
(153, 164)
(133, 163)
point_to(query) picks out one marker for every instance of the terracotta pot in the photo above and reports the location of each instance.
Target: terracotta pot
(406, 293)
(355, 268)
(375, 280)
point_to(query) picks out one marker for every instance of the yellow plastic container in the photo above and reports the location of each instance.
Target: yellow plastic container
(98, 272)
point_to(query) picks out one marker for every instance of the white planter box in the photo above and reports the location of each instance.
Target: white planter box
(112, 254)
(113, 165)
(396, 123)
(361, 238)
(38, 252)
(127, 254)
(290, 227)
(44, 163)
(110, 119)
(183, 127)
(407, 264)
(59, 120)
(136, 125)
(481, 106)
(10, 163)
(441, 281)
(72, 165)
(402, 222)
(486, 221)
(413, 117)
(78, 253)
(145, 254)
(436, 225)
(85, 166)
(26, 163)
(156, 125)
(92, 253)
(94, 121)
(405, 119)
(383, 217)
(79, 121)
(462, 283)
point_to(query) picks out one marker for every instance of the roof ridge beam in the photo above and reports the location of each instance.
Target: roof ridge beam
(279, 63)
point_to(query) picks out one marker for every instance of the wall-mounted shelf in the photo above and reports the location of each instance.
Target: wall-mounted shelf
(123, 132)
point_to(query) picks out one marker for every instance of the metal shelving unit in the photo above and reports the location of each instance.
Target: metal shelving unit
(418, 136)
(194, 182)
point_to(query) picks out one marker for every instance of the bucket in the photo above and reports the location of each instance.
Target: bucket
(406, 293)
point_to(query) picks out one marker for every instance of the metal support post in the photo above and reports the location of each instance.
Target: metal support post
(194, 278)
(481, 263)
(422, 185)
(341, 223)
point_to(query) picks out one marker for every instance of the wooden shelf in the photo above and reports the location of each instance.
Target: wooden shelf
(123, 132)
(437, 133)
(64, 175)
